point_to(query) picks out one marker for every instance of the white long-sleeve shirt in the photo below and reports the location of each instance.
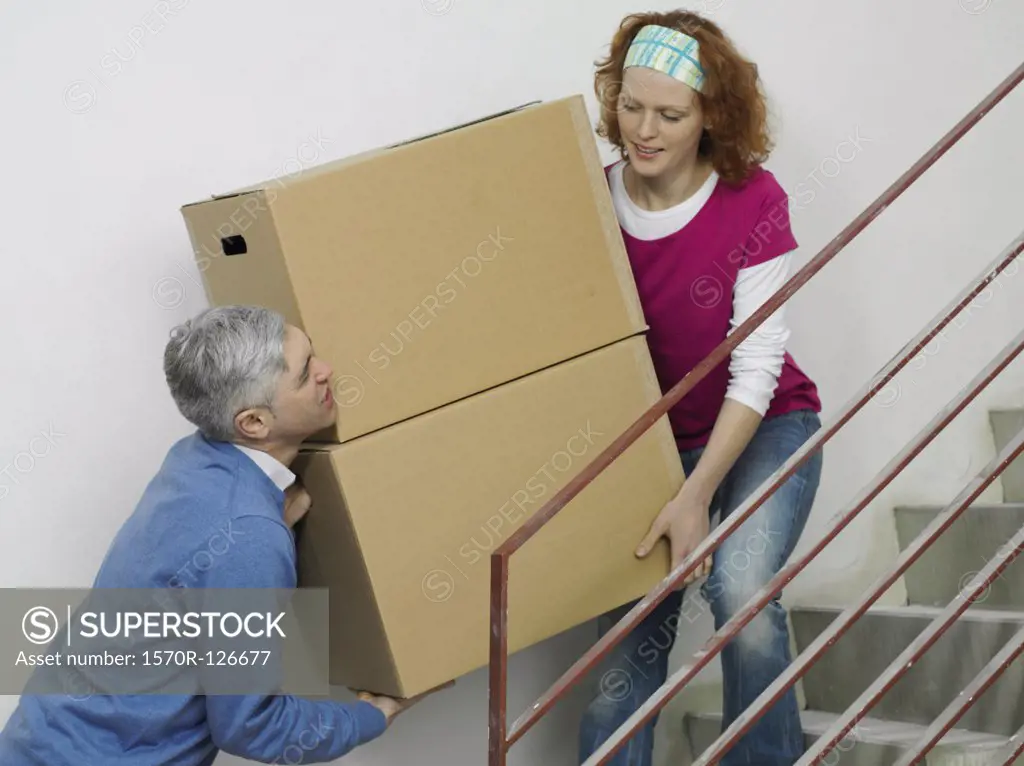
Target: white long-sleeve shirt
(755, 364)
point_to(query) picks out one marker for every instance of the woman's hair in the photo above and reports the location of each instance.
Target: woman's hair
(223, 361)
(733, 103)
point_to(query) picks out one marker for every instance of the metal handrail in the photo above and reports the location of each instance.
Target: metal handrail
(498, 741)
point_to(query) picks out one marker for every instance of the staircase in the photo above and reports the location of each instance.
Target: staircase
(847, 669)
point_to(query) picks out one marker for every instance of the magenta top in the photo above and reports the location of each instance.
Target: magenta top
(684, 281)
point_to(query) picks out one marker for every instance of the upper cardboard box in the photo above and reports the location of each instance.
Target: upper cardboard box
(435, 269)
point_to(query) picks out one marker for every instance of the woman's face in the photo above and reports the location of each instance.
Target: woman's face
(660, 120)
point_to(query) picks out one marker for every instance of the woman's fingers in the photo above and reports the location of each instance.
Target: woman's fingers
(658, 530)
(702, 570)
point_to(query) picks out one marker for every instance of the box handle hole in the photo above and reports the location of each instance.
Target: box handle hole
(234, 245)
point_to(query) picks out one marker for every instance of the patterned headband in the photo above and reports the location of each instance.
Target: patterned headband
(669, 51)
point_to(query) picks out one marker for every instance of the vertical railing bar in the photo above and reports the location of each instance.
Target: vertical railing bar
(959, 706)
(649, 602)
(898, 668)
(660, 697)
(498, 745)
(904, 560)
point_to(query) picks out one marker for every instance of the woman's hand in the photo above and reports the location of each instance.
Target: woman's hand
(685, 522)
(685, 519)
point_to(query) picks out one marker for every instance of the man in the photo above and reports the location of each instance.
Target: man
(255, 391)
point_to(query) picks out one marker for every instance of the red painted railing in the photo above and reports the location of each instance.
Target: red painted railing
(501, 739)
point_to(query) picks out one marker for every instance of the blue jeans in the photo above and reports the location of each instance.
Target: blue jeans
(743, 564)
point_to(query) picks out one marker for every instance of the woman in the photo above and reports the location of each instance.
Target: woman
(707, 232)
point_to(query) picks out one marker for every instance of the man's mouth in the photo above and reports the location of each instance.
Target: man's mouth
(328, 398)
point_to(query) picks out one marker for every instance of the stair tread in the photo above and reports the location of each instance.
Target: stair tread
(882, 732)
(932, 507)
(974, 613)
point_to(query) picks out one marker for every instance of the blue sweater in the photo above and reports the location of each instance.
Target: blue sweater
(209, 518)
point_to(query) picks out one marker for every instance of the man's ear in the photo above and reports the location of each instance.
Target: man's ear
(253, 423)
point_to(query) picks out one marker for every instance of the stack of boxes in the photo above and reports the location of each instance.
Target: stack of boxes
(471, 292)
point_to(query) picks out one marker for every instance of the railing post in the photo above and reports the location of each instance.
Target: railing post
(498, 745)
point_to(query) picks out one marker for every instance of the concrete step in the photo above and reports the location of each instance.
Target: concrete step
(860, 655)
(873, 743)
(1006, 424)
(953, 560)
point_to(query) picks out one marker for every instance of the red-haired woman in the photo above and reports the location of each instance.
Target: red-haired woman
(708, 236)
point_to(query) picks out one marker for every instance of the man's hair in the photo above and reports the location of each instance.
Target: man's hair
(222, 361)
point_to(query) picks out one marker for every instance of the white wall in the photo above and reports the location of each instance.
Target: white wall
(101, 150)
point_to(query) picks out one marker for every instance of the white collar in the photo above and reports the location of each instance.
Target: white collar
(656, 224)
(278, 472)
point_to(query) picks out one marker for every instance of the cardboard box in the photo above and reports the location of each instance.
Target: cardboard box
(404, 520)
(435, 269)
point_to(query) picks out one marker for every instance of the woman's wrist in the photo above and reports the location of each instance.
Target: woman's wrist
(695, 493)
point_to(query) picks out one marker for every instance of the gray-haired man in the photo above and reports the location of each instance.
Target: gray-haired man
(254, 389)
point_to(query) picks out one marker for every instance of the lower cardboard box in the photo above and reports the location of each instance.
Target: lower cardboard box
(404, 520)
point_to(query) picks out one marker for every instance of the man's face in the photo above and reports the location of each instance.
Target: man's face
(303, 403)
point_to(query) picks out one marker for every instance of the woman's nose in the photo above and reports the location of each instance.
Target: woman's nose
(648, 126)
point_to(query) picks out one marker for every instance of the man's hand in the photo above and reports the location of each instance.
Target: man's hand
(392, 707)
(685, 523)
(296, 503)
